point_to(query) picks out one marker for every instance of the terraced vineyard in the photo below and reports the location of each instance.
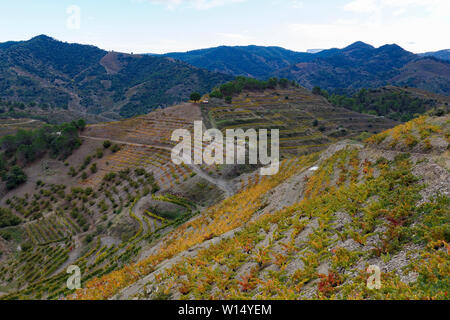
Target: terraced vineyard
(154, 159)
(153, 129)
(92, 222)
(54, 240)
(133, 209)
(311, 231)
(53, 228)
(146, 142)
(307, 122)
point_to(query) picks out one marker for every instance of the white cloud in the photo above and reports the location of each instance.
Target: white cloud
(409, 23)
(416, 34)
(362, 6)
(196, 4)
(416, 25)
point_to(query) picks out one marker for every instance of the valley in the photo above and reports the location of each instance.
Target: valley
(308, 233)
(88, 178)
(135, 223)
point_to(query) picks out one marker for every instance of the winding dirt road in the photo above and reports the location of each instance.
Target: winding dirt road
(222, 184)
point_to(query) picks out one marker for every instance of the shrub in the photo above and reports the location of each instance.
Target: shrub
(195, 96)
(88, 238)
(26, 246)
(72, 172)
(99, 153)
(316, 90)
(115, 148)
(363, 136)
(7, 218)
(139, 171)
(15, 177)
(216, 94)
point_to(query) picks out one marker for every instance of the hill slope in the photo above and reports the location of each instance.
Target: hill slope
(83, 78)
(102, 206)
(135, 222)
(397, 103)
(251, 61)
(441, 54)
(307, 122)
(360, 65)
(109, 202)
(312, 230)
(357, 66)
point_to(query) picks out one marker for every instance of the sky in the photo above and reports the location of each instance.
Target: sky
(160, 26)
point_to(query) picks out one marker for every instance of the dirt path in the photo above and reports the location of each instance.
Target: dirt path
(138, 213)
(222, 184)
(127, 143)
(18, 123)
(418, 154)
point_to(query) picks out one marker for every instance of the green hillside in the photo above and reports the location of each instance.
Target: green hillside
(47, 73)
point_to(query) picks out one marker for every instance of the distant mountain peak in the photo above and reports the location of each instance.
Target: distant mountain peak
(359, 45)
(392, 47)
(88, 76)
(43, 37)
(441, 54)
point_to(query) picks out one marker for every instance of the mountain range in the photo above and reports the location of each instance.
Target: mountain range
(342, 70)
(441, 54)
(354, 187)
(250, 61)
(44, 73)
(50, 73)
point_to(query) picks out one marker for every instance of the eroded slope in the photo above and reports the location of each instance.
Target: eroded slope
(355, 205)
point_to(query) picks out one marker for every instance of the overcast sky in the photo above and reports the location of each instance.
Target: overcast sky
(160, 26)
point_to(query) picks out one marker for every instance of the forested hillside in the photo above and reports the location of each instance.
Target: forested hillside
(345, 70)
(48, 73)
(400, 104)
(250, 61)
